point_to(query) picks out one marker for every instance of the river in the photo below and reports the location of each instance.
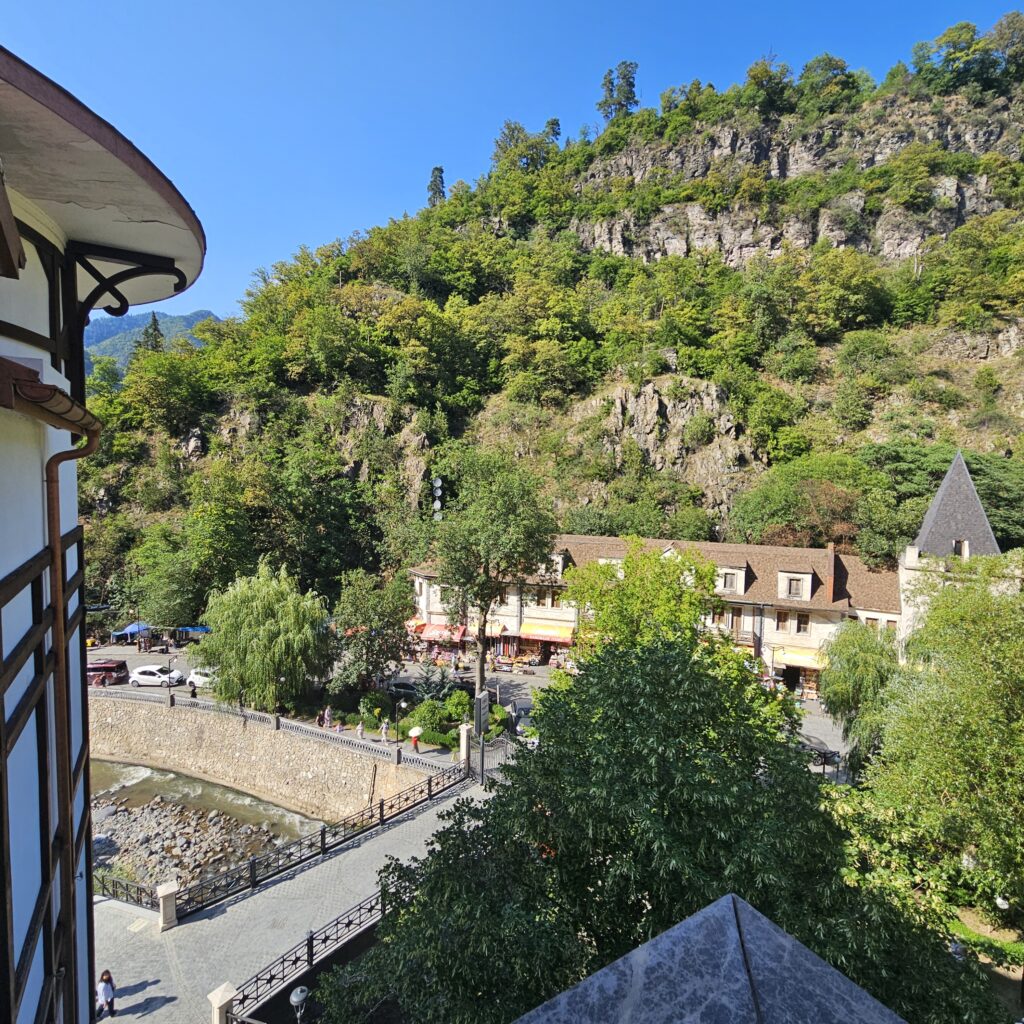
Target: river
(138, 785)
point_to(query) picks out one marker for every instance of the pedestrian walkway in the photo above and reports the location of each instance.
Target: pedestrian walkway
(166, 977)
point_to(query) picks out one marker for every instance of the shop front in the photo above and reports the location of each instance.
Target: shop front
(799, 668)
(545, 642)
(442, 644)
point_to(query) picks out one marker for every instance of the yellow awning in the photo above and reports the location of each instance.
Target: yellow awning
(535, 629)
(799, 657)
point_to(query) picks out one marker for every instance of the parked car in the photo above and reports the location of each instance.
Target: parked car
(155, 675)
(103, 673)
(401, 690)
(522, 719)
(200, 677)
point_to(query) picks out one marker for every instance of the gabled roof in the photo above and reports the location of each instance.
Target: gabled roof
(956, 514)
(855, 585)
(726, 963)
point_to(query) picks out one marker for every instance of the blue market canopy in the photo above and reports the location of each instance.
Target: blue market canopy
(131, 630)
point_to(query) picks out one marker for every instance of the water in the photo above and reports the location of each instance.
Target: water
(139, 785)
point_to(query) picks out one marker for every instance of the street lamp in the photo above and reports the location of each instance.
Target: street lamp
(402, 705)
(298, 1001)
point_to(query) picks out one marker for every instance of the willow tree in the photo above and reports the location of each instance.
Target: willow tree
(268, 640)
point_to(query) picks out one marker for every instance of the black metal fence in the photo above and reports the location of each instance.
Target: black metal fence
(208, 891)
(121, 889)
(300, 958)
(489, 758)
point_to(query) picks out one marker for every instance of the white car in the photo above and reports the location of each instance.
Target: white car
(155, 675)
(200, 677)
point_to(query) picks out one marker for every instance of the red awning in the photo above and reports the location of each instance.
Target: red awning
(438, 631)
(414, 625)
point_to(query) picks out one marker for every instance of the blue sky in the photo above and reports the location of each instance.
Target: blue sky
(292, 123)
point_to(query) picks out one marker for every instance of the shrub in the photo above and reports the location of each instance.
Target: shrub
(375, 705)
(457, 704)
(851, 408)
(986, 383)
(431, 714)
(699, 430)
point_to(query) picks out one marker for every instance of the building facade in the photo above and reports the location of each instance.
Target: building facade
(782, 604)
(86, 222)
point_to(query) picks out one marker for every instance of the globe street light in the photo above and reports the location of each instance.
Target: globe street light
(402, 705)
(298, 1001)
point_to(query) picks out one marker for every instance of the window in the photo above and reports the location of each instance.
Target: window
(795, 588)
(503, 596)
(890, 624)
(960, 548)
(803, 622)
(735, 618)
(729, 581)
(556, 597)
(782, 622)
(718, 616)
(872, 623)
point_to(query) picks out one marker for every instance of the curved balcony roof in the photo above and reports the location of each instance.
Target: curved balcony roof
(97, 188)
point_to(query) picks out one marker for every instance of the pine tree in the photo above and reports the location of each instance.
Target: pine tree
(435, 190)
(618, 90)
(151, 339)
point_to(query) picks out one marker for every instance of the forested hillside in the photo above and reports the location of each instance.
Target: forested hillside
(116, 336)
(769, 312)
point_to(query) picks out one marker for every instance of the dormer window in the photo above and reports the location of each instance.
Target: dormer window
(795, 588)
(960, 548)
(729, 582)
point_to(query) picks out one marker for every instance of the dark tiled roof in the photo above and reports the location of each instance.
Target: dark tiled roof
(855, 585)
(727, 964)
(956, 514)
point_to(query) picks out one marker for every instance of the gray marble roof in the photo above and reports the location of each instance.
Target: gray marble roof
(727, 964)
(956, 514)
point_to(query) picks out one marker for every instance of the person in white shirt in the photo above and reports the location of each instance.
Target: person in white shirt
(105, 995)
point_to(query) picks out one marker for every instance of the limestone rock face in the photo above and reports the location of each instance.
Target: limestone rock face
(786, 150)
(655, 417)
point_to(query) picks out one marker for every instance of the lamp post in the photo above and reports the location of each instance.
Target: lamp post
(298, 1001)
(402, 705)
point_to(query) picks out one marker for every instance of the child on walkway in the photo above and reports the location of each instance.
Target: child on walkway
(384, 731)
(105, 995)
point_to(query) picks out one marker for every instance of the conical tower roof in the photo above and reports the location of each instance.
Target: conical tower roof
(956, 514)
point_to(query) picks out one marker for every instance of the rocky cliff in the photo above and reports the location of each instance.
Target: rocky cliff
(784, 151)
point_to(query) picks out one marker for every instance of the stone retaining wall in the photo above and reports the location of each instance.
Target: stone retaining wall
(319, 779)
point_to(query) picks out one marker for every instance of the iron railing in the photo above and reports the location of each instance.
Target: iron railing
(124, 890)
(300, 958)
(249, 876)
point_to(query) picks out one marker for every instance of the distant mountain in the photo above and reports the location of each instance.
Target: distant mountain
(115, 336)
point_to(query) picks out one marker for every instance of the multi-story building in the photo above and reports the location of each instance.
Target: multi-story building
(86, 221)
(781, 603)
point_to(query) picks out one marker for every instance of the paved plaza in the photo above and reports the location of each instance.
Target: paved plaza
(164, 978)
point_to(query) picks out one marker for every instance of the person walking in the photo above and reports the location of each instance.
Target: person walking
(105, 995)
(327, 717)
(359, 729)
(384, 730)
(415, 740)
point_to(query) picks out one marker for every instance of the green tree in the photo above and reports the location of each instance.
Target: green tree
(435, 188)
(861, 664)
(957, 58)
(369, 620)
(496, 532)
(618, 90)
(664, 779)
(150, 340)
(105, 380)
(268, 641)
(649, 596)
(952, 758)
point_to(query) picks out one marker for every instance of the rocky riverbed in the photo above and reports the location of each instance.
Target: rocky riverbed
(162, 840)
